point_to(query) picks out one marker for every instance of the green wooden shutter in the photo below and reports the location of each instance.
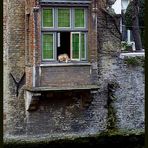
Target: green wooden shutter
(79, 17)
(47, 17)
(64, 17)
(47, 46)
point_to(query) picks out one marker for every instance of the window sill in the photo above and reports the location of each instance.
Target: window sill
(65, 64)
(132, 54)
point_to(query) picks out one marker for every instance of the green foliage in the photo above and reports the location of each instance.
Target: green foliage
(141, 20)
(128, 14)
(111, 120)
(135, 61)
(141, 13)
(126, 47)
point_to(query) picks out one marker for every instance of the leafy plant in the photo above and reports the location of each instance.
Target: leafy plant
(126, 47)
(128, 14)
(135, 61)
(134, 20)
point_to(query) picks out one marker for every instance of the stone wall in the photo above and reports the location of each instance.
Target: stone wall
(129, 102)
(126, 104)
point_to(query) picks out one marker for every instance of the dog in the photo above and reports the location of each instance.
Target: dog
(63, 58)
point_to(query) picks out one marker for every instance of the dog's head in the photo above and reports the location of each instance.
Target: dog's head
(63, 58)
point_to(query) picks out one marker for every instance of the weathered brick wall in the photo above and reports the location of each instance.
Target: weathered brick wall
(92, 39)
(5, 68)
(65, 76)
(66, 114)
(72, 113)
(15, 37)
(29, 76)
(30, 41)
(5, 28)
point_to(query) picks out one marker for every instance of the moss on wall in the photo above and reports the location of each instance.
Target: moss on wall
(134, 61)
(111, 122)
(101, 140)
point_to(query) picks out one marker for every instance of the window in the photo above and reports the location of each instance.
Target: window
(64, 30)
(48, 46)
(63, 17)
(78, 46)
(79, 18)
(48, 17)
(75, 46)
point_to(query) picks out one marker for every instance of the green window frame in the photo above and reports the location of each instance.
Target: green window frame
(48, 46)
(48, 17)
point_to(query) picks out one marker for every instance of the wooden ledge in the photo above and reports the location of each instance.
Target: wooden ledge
(69, 88)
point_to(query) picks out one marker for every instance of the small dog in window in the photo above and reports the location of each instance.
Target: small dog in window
(63, 58)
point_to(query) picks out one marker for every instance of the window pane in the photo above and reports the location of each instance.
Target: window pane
(79, 17)
(83, 46)
(47, 46)
(63, 17)
(47, 18)
(75, 46)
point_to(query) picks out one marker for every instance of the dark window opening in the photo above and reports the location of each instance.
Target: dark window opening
(63, 46)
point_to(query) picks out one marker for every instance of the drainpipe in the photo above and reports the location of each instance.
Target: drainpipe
(35, 11)
(94, 14)
(93, 61)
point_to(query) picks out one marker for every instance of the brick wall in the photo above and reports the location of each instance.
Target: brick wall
(65, 76)
(14, 46)
(5, 75)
